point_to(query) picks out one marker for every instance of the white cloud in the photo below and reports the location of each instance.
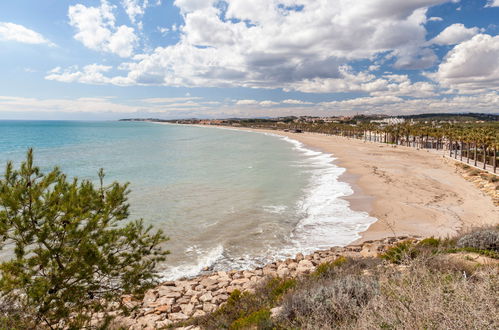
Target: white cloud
(292, 101)
(268, 103)
(19, 33)
(135, 9)
(472, 66)
(492, 3)
(88, 105)
(261, 44)
(246, 102)
(97, 30)
(170, 99)
(435, 19)
(90, 74)
(454, 34)
(349, 81)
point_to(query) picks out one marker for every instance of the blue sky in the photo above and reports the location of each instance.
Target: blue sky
(209, 59)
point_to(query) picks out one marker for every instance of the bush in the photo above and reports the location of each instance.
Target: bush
(73, 255)
(326, 268)
(481, 239)
(329, 302)
(400, 252)
(259, 319)
(421, 298)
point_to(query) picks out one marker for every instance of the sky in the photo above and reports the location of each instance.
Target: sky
(111, 59)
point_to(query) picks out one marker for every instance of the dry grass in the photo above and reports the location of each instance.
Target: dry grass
(420, 286)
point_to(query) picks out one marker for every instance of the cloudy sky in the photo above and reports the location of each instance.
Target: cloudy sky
(109, 59)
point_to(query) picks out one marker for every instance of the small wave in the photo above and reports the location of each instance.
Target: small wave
(205, 259)
(277, 209)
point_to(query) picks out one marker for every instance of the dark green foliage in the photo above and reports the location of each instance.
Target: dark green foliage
(430, 242)
(73, 252)
(400, 252)
(248, 310)
(259, 319)
(483, 239)
(324, 269)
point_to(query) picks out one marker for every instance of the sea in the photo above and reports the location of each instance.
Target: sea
(227, 199)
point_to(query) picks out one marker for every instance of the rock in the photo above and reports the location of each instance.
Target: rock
(209, 307)
(208, 282)
(268, 271)
(305, 267)
(240, 281)
(163, 324)
(164, 301)
(172, 295)
(369, 250)
(162, 309)
(220, 298)
(176, 309)
(187, 309)
(206, 297)
(199, 313)
(177, 316)
(183, 300)
(259, 272)
(292, 266)
(283, 272)
(248, 274)
(223, 284)
(148, 322)
(150, 297)
(276, 312)
(232, 288)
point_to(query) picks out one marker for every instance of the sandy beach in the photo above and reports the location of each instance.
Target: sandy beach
(409, 191)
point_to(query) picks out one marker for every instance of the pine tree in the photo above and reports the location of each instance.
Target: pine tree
(73, 251)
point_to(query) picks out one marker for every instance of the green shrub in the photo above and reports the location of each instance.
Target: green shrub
(326, 268)
(330, 301)
(481, 239)
(259, 319)
(400, 252)
(277, 287)
(429, 242)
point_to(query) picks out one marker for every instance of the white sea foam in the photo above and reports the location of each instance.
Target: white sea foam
(278, 209)
(205, 259)
(327, 218)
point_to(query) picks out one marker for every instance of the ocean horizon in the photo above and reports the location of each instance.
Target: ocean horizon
(228, 199)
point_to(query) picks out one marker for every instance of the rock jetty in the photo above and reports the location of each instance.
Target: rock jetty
(175, 301)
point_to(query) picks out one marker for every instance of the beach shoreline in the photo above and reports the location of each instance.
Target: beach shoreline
(427, 197)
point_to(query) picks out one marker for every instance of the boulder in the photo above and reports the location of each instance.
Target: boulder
(177, 317)
(209, 307)
(305, 267)
(206, 297)
(187, 309)
(199, 313)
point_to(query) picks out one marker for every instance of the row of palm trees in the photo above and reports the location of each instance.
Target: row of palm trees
(475, 142)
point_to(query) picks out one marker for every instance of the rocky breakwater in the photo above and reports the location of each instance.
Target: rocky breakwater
(175, 301)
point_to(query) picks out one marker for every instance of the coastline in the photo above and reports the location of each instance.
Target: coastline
(427, 197)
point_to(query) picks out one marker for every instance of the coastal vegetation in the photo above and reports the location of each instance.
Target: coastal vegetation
(427, 284)
(69, 251)
(469, 142)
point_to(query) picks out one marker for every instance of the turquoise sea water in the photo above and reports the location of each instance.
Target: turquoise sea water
(227, 199)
